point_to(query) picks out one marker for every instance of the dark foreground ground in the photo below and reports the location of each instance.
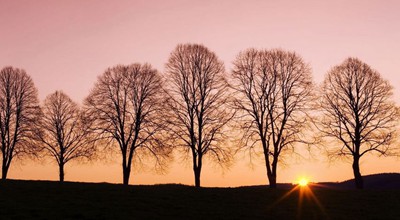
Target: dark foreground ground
(52, 200)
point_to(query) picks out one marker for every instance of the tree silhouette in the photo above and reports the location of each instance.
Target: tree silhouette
(19, 112)
(198, 105)
(273, 90)
(126, 107)
(64, 134)
(357, 112)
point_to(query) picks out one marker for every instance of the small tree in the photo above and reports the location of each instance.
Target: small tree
(273, 93)
(19, 113)
(126, 107)
(64, 134)
(198, 94)
(357, 112)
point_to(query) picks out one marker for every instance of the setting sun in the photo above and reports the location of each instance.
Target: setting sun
(303, 182)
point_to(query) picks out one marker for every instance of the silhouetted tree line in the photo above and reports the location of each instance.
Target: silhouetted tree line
(268, 98)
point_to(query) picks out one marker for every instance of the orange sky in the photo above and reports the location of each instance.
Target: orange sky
(67, 44)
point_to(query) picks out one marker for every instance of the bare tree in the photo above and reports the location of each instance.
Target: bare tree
(126, 107)
(19, 112)
(198, 103)
(357, 112)
(64, 134)
(273, 92)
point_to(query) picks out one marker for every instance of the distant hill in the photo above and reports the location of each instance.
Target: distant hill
(373, 181)
(376, 181)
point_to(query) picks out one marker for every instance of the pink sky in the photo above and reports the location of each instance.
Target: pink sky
(65, 45)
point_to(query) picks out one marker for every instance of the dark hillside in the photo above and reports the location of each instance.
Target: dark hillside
(52, 200)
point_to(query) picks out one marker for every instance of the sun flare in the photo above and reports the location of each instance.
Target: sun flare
(303, 182)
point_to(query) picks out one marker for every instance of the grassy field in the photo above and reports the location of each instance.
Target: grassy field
(52, 200)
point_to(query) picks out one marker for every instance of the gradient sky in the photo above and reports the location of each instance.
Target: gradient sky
(66, 44)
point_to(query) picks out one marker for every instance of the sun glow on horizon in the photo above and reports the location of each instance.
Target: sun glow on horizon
(303, 181)
(305, 195)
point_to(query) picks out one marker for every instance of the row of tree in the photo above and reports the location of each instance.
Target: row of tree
(269, 98)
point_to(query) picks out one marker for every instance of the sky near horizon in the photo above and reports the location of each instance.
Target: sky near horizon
(66, 44)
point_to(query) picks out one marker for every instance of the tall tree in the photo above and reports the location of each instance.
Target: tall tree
(198, 103)
(64, 134)
(357, 112)
(126, 107)
(273, 92)
(19, 112)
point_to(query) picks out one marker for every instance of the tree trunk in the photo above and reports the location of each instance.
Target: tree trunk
(197, 172)
(272, 176)
(357, 175)
(126, 173)
(197, 164)
(126, 169)
(61, 172)
(4, 170)
(272, 181)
